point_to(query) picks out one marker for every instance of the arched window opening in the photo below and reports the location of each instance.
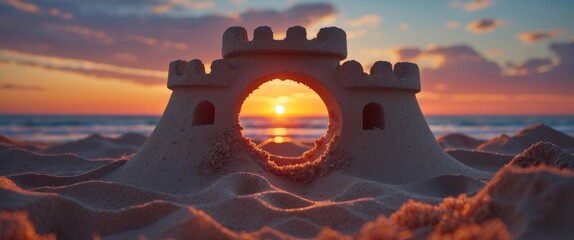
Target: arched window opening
(284, 118)
(373, 117)
(204, 114)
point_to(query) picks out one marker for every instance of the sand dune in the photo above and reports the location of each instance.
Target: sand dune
(66, 196)
(97, 146)
(510, 204)
(6, 143)
(459, 141)
(485, 161)
(525, 138)
(15, 161)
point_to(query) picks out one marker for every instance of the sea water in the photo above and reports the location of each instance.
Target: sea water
(69, 128)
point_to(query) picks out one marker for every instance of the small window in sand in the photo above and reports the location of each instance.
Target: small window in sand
(373, 117)
(204, 114)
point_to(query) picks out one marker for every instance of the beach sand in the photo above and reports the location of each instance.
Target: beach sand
(68, 191)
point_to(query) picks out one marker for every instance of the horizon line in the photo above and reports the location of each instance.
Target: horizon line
(283, 116)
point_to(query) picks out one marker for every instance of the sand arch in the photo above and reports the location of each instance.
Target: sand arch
(333, 109)
(318, 87)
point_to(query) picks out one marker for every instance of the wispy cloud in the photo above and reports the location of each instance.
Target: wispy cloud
(371, 20)
(538, 35)
(82, 31)
(531, 66)
(460, 69)
(484, 25)
(24, 6)
(511, 98)
(110, 39)
(36, 9)
(11, 86)
(404, 26)
(356, 33)
(187, 4)
(494, 52)
(471, 6)
(76, 64)
(452, 25)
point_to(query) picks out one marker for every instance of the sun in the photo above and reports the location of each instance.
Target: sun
(279, 109)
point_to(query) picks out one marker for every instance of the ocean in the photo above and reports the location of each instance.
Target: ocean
(69, 128)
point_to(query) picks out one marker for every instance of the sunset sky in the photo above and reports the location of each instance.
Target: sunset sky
(111, 57)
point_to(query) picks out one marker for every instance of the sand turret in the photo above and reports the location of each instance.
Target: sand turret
(330, 41)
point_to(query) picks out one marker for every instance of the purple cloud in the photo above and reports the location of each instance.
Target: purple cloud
(99, 32)
(463, 70)
(484, 25)
(407, 53)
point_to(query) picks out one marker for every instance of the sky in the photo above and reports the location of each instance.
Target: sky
(483, 57)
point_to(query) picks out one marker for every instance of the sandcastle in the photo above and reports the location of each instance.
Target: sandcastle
(374, 119)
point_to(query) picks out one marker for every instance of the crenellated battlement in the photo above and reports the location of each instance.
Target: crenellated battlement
(404, 76)
(330, 41)
(192, 73)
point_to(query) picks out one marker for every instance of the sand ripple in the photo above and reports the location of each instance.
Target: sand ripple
(529, 198)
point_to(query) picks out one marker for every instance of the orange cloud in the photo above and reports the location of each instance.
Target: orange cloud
(531, 66)
(484, 25)
(404, 26)
(367, 20)
(75, 64)
(60, 14)
(494, 52)
(477, 4)
(539, 35)
(471, 6)
(452, 25)
(356, 33)
(188, 4)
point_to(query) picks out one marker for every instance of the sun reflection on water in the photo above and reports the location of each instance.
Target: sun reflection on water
(279, 131)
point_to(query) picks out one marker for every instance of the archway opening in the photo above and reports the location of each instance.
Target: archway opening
(284, 118)
(373, 117)
(204, 114)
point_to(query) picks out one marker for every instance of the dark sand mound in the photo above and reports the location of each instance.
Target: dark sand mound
(526, 137)
(6, 143)
(544, 153)
(459, 141)
(97, 146)
(34, 180)
(484, 161)
(18, 161)
(445, 186)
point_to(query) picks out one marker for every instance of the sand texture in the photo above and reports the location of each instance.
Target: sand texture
(523, 189)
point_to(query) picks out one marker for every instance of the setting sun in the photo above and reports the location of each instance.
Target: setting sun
(279, 109)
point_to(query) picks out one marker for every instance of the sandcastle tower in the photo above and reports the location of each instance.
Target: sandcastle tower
(374, 118)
